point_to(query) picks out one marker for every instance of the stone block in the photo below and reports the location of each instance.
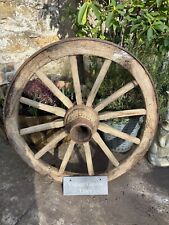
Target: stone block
(44, 40)
(6, 10)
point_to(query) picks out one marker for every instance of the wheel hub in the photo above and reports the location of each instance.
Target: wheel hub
(81, 122)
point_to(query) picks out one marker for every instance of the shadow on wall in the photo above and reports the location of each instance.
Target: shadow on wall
(7, 71)
(59, 14)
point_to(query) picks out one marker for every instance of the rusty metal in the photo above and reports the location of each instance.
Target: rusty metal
(81, 122)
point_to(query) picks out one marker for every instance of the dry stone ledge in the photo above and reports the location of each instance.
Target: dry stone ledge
(24, 29)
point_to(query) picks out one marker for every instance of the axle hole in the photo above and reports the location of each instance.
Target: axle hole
(81, 133)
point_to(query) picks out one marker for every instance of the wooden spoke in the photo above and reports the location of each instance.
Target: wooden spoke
(115, 95)
(124, 113)
(51, 144)
(107, 129)
(76, 81)
(47, 108)
(105, 149)
(98, 82)
(42, 127)
(88, 158)
(67, 157)
(65, 100)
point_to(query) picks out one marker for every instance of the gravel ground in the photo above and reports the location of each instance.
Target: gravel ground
(140, 197)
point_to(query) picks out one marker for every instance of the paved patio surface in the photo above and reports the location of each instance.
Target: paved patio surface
(140, 197)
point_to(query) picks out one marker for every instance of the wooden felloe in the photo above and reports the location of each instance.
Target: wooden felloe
(81, 121)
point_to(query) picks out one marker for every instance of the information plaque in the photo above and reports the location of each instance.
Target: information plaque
(85, 185)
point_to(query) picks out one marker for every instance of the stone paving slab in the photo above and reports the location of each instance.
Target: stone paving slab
(140, 197)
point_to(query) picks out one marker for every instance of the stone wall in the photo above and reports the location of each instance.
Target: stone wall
(28, 25)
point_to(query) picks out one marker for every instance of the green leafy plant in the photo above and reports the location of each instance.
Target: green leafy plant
(140, 26)
(127, 23)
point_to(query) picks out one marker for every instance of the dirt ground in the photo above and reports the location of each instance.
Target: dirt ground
(140, 197)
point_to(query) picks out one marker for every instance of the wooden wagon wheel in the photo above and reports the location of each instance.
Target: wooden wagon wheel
(82, 121)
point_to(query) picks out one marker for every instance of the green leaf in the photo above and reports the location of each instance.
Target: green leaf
(119, 6)
(122, 13)
(160, 26)
(162, 18)
(158, 2)
(113, 2)
(96, 3)
(109, 20)
(131, 10)
(150, 34)
(149, 16)
(96, 11)
(128, 18)
(166, 42)
(134, 27)
(102, 37)
(115, 22)
(140, 6)
(82, 15)
(155, 13)
(114, 27)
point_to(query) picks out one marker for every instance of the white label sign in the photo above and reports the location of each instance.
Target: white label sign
(85, 185)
